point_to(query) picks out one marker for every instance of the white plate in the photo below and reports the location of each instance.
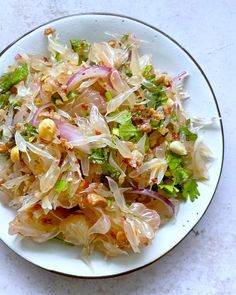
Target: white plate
(168, 55)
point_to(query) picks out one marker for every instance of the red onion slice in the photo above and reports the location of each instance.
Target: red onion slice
(68, 131)
(179, 77)
(152, 194)
(90, 72)
(39, 110)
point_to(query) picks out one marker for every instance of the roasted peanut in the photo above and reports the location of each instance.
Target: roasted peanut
(15, 154)
(47, 129)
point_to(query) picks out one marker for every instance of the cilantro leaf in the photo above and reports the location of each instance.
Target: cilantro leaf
(10, 79)
(154, 92)
(121, 117)
(99, 155)
(152, 87)
(156, 99)
(174, 161)
(109, 170)
(190, 189)
(170, 188)
(82, 48)
(128, 131)
(180, 174)
(190, 136)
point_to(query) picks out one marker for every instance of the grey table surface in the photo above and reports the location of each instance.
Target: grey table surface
(205, 261)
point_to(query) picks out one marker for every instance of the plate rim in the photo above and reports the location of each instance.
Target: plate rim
(221, 129)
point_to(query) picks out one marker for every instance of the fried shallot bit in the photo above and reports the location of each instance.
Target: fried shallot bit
(121, 239)
(3, 148)
(142, 116)
(49, 31)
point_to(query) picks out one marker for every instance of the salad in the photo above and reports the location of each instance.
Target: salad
(95, 147)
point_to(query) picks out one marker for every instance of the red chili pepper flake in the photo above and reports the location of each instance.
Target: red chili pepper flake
(86, 184)
(175, 136)
(97, 132)
(154, 180)
(113, 234)
(84, 106)
(168, 84)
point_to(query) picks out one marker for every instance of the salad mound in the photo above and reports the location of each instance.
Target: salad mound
(95, 147)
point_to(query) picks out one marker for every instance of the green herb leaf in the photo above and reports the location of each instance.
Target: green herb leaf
(128, 131)
(156, 124)
(61, 186)
(190, 189)
(82, 48)
(190, 136)
(156, 99)
(109, 170)
(99, 155)
(58, 56)
(152, 87)
(4, 99)
(174, 161)
(121, 117)
(14, 103)
(154, 92)
(73, 94)
(10, 79)
(124, 38)
(180, 174)
(108, 96)
(109, 202)
(29, 132)
(170, 188)
(115, 131)
(126, 70)
(148, 72)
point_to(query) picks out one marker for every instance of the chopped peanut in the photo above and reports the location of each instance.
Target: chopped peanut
(96, 200)
(47, 129)
(15, 154)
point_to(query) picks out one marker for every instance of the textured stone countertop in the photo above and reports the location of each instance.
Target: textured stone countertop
(205, 261)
